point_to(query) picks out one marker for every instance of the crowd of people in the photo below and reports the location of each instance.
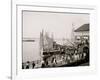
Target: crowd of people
(63, 59)
(55, 60)
(60, 58)
(69, 56)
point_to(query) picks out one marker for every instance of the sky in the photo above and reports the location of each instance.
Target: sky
(60, 24)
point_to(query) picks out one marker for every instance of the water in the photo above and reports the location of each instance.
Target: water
(31, 51)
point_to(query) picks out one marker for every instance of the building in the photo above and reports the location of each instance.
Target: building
(82, 33)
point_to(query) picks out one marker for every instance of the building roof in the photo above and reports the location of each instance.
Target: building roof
(84, 27)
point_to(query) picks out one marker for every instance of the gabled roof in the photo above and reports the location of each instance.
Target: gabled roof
(84, 27)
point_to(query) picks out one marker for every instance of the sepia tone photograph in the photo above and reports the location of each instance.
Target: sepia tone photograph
(55, 39)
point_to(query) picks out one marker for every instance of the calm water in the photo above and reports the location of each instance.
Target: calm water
(31, 51)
